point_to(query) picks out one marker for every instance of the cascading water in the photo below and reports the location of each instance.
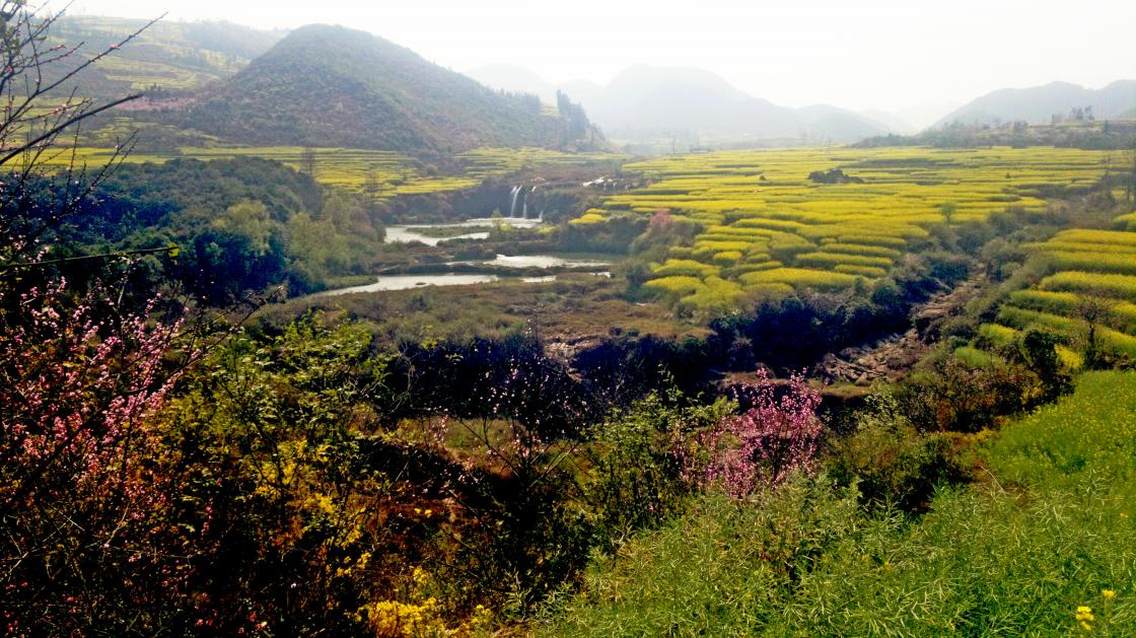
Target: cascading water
(513, 206)
(531, 192)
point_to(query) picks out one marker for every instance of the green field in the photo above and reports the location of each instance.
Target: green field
(383, 174)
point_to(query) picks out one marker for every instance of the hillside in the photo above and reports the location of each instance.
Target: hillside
(1037, 105)
(1042, 546)
(332, 86)
(175, 56)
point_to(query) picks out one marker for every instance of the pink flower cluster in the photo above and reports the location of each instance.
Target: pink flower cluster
(75, 391)
(776, 436)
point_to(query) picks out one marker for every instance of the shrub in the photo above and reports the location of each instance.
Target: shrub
(952, 396)
(637, 475)
(776, 436)
(86, 497)
(892, 463)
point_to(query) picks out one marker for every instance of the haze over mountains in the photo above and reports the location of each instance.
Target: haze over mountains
(171, 55)
(1037, 105)
(331, 86)
(645, 102)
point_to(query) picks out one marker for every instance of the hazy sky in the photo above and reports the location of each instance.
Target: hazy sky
(884, 54)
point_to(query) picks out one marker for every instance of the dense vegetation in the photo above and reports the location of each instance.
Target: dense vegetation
(380, 95)
(1044, 532)
(238, 225)
(636, 454)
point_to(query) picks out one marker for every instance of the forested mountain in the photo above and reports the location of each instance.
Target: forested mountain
(332, 86)
(177, 56)
(1039, 104)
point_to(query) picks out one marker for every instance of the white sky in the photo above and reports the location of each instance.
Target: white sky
(881, 54)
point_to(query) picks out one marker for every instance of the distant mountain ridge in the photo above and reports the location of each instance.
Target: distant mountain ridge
(515, 79)
(332, 86)
(1038, 105)
(646, 101)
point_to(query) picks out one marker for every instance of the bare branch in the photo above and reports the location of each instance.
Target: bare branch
(67, 124)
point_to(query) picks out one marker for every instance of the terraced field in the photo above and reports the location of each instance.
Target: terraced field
(176, 56)
(383, 174)
(1092, 284)
(766, 228)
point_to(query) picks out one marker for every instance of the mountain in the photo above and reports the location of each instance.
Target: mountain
(176, 56)
(644, 101)
(514, 79)
(1037, 105)
(830, 122)
(583, 91)
(331, 86)
(893, 122)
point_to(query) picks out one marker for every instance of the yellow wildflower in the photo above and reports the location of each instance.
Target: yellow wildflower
(1108, 594)
(1085, 614)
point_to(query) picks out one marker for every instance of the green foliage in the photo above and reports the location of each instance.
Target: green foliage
(891, 463)
(949, 395)
(241, 224)
(635, 476)
(271, 434)
(723, 569)
(1013, 555)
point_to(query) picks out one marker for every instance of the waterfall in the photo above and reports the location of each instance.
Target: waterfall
(525, 205)
(513, 207)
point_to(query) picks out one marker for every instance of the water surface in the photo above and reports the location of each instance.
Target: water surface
(407, 282)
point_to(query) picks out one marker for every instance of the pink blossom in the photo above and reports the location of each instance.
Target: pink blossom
(778, 435)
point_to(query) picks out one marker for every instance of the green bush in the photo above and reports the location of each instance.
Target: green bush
(892, 463)
(636, 466)
(952, 396)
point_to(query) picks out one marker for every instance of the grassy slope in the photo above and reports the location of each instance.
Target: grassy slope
(1013, 555)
